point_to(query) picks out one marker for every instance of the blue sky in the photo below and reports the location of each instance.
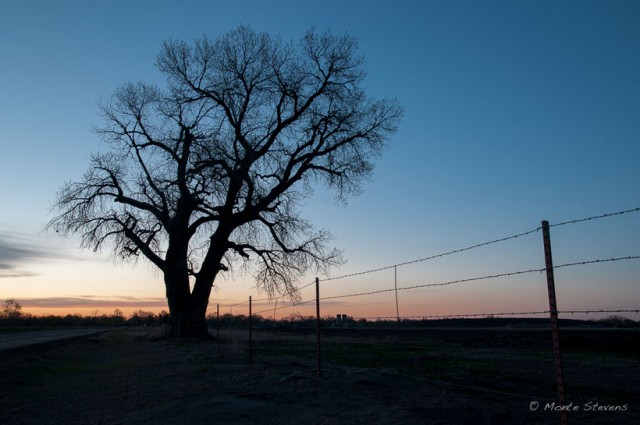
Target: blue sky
(515, 112)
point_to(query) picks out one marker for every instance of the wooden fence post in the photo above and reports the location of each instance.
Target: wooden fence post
(250, 331)
(553, 312)
(318, 326)
(274, 310)
(395, 282)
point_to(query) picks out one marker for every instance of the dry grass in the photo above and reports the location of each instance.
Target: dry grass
(131, 377)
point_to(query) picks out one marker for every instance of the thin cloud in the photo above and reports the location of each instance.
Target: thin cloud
(18, 251)
(93, 302)
(16, 273)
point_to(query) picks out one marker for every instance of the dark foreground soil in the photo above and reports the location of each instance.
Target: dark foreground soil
(128, 376)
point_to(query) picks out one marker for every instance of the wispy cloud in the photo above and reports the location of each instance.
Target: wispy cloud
(87, 301)
(19, 250)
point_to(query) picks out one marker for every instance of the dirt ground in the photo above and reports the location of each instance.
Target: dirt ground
(128, 376)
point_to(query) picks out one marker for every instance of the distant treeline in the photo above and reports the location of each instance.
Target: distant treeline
(145, 318)
(12, 316)
(138, 318)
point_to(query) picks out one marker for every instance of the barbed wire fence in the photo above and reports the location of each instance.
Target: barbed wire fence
(280, 303)
(288, 305)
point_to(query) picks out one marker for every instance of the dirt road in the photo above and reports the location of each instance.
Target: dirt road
(12, 341)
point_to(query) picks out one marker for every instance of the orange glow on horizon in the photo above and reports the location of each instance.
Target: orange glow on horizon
(88, 311)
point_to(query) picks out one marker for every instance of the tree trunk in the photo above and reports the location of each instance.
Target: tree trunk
(191, 324)
(188, 308)
(199, 301)
(188, 312)
(188, 320)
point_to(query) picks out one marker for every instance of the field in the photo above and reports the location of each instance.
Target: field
(369, 376)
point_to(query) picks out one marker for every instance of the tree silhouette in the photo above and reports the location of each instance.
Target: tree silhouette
(209, 172)
(11, 309)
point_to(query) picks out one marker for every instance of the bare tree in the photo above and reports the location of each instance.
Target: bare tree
(11, 309)
(210, 172)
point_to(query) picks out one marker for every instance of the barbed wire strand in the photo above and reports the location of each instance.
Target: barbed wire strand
(286, 295)
(598, 311)
(295, 304)
(596, 217)
(454, 316)
(488, 315)
(432, 257)
(427, 285)
(257, 300)
(584, 263)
